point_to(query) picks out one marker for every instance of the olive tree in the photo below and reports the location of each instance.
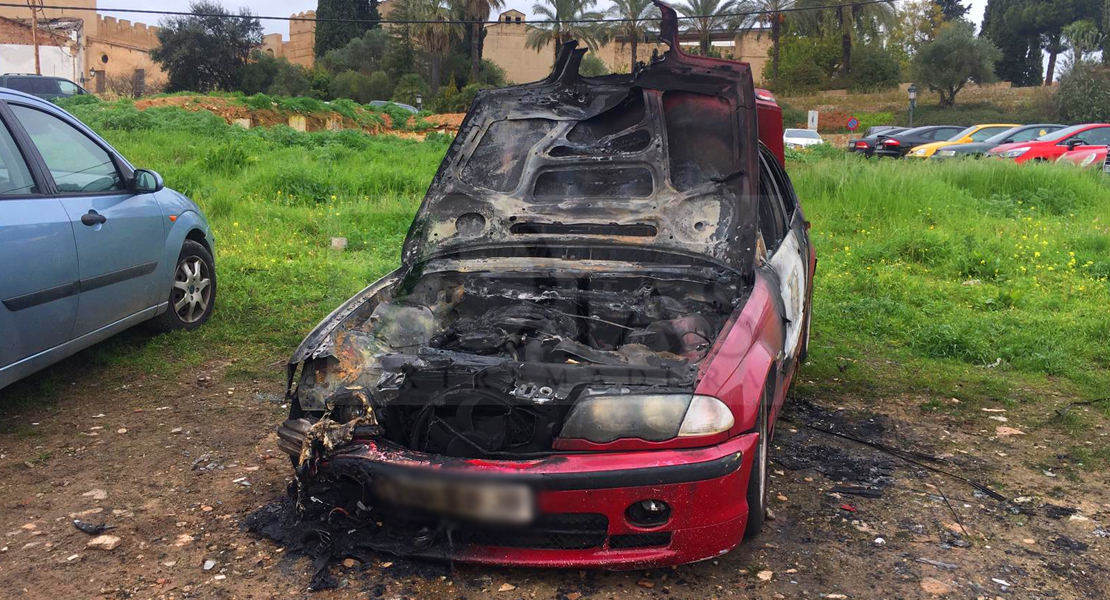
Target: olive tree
(954, 59)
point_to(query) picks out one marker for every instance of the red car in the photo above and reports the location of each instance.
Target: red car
(601, 304)
(1054, 145)
(1085, 156)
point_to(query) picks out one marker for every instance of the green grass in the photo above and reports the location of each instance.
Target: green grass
(983, 281)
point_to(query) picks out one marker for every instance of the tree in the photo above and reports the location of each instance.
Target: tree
(708, 16)
(477, 11)
(332, 32)
(773, 17)
(1106, 32)
(917, 22)
(1048, 18)
(636, 14)
(435, 33)
(953, 10)
(850, 20)
(364, 54)
(1082, 38)
(564, 23)
(955, 58)
(264, 74)
(205, 53)
(408, 88)
(1004, 24)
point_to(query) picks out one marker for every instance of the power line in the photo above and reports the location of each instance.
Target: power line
(176, 13)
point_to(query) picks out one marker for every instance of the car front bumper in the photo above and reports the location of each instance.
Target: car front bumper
(581, 502)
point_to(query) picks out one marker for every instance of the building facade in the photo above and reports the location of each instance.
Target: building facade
(76, 43)
(504, 45)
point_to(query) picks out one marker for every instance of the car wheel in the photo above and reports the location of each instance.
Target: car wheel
(193, 291)
(757, 481)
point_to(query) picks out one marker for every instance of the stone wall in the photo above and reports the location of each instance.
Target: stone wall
(300, 49)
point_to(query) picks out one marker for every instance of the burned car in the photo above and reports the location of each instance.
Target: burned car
(601, 304)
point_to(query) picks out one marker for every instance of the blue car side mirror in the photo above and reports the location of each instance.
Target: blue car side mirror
(146, 181)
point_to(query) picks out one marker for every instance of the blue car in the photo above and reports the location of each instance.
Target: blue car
(89, 245)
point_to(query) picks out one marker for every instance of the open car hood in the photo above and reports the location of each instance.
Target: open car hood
(661, 159)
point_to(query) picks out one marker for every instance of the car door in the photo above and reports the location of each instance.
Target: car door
(790, 259)
(120, 235)
(38, 261)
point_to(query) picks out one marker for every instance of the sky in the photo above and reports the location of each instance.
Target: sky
(283, 8)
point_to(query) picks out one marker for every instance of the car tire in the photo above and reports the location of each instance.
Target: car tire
(192, 294)
(757, 480)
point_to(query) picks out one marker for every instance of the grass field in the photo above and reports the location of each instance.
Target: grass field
(980, 280)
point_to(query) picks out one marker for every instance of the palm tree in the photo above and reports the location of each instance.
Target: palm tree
(849, 19)
(477, 11)
(436, 33)
(637, 14)
(708, 16)
(773, 14)
(561, 26)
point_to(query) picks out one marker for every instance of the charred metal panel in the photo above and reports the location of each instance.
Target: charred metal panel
(670, 148)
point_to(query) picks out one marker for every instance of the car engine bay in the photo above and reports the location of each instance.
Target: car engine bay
(489, 364)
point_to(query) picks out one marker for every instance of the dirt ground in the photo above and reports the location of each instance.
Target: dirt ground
(174, 464)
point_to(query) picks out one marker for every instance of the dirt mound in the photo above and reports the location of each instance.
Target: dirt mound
(234, 111)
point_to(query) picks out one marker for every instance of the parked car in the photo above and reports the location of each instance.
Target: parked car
(800, 138)
(1054, 145)
(42, 86)
(1085, 156)
(975, 133)
(866, 144)
(580, 360)
(1021, 133)
(382, 103)
(90, 244)
(897, 145)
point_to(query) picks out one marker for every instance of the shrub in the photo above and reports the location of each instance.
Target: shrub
(593, 66)
(358, 87)
(408, 87)
(874, 68)
(1083, 93)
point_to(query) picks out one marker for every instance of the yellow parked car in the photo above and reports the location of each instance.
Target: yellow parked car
(975, 133)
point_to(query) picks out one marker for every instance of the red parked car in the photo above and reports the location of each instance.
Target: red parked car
(600, 306)
(1054, 145)
(1085, 156)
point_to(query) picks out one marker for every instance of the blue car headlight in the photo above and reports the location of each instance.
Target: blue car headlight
(651, 417)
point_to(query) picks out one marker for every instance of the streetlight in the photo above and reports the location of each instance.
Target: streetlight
(913, 101)
(419, 102)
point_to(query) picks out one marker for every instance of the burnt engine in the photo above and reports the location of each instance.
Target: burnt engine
(486, 365)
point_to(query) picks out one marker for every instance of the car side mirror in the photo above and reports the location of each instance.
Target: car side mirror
(146, 181)
(1072, 143)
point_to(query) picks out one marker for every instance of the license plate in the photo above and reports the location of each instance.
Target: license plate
(489, 502)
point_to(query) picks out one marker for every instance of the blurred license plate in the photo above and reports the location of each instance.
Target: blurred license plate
(489, 502)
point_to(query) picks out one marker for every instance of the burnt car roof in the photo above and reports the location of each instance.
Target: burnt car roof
(660, 159)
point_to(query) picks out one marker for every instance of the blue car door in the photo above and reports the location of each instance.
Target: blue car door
(120, 235)
(38, 262)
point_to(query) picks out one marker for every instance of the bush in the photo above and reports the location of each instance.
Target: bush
(593, 66)
(361, 88)
(806, 63)
(874, 69)
(408, 87)
(1083, 93)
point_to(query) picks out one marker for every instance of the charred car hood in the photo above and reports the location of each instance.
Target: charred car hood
(659, 159)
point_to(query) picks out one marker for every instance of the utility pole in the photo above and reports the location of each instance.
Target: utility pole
(36, 6)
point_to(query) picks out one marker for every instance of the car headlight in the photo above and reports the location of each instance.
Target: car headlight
(947, 153)
(651, 417)
(918, 152)
(1014, 152)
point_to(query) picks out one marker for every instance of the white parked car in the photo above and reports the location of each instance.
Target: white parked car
(799, 138)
